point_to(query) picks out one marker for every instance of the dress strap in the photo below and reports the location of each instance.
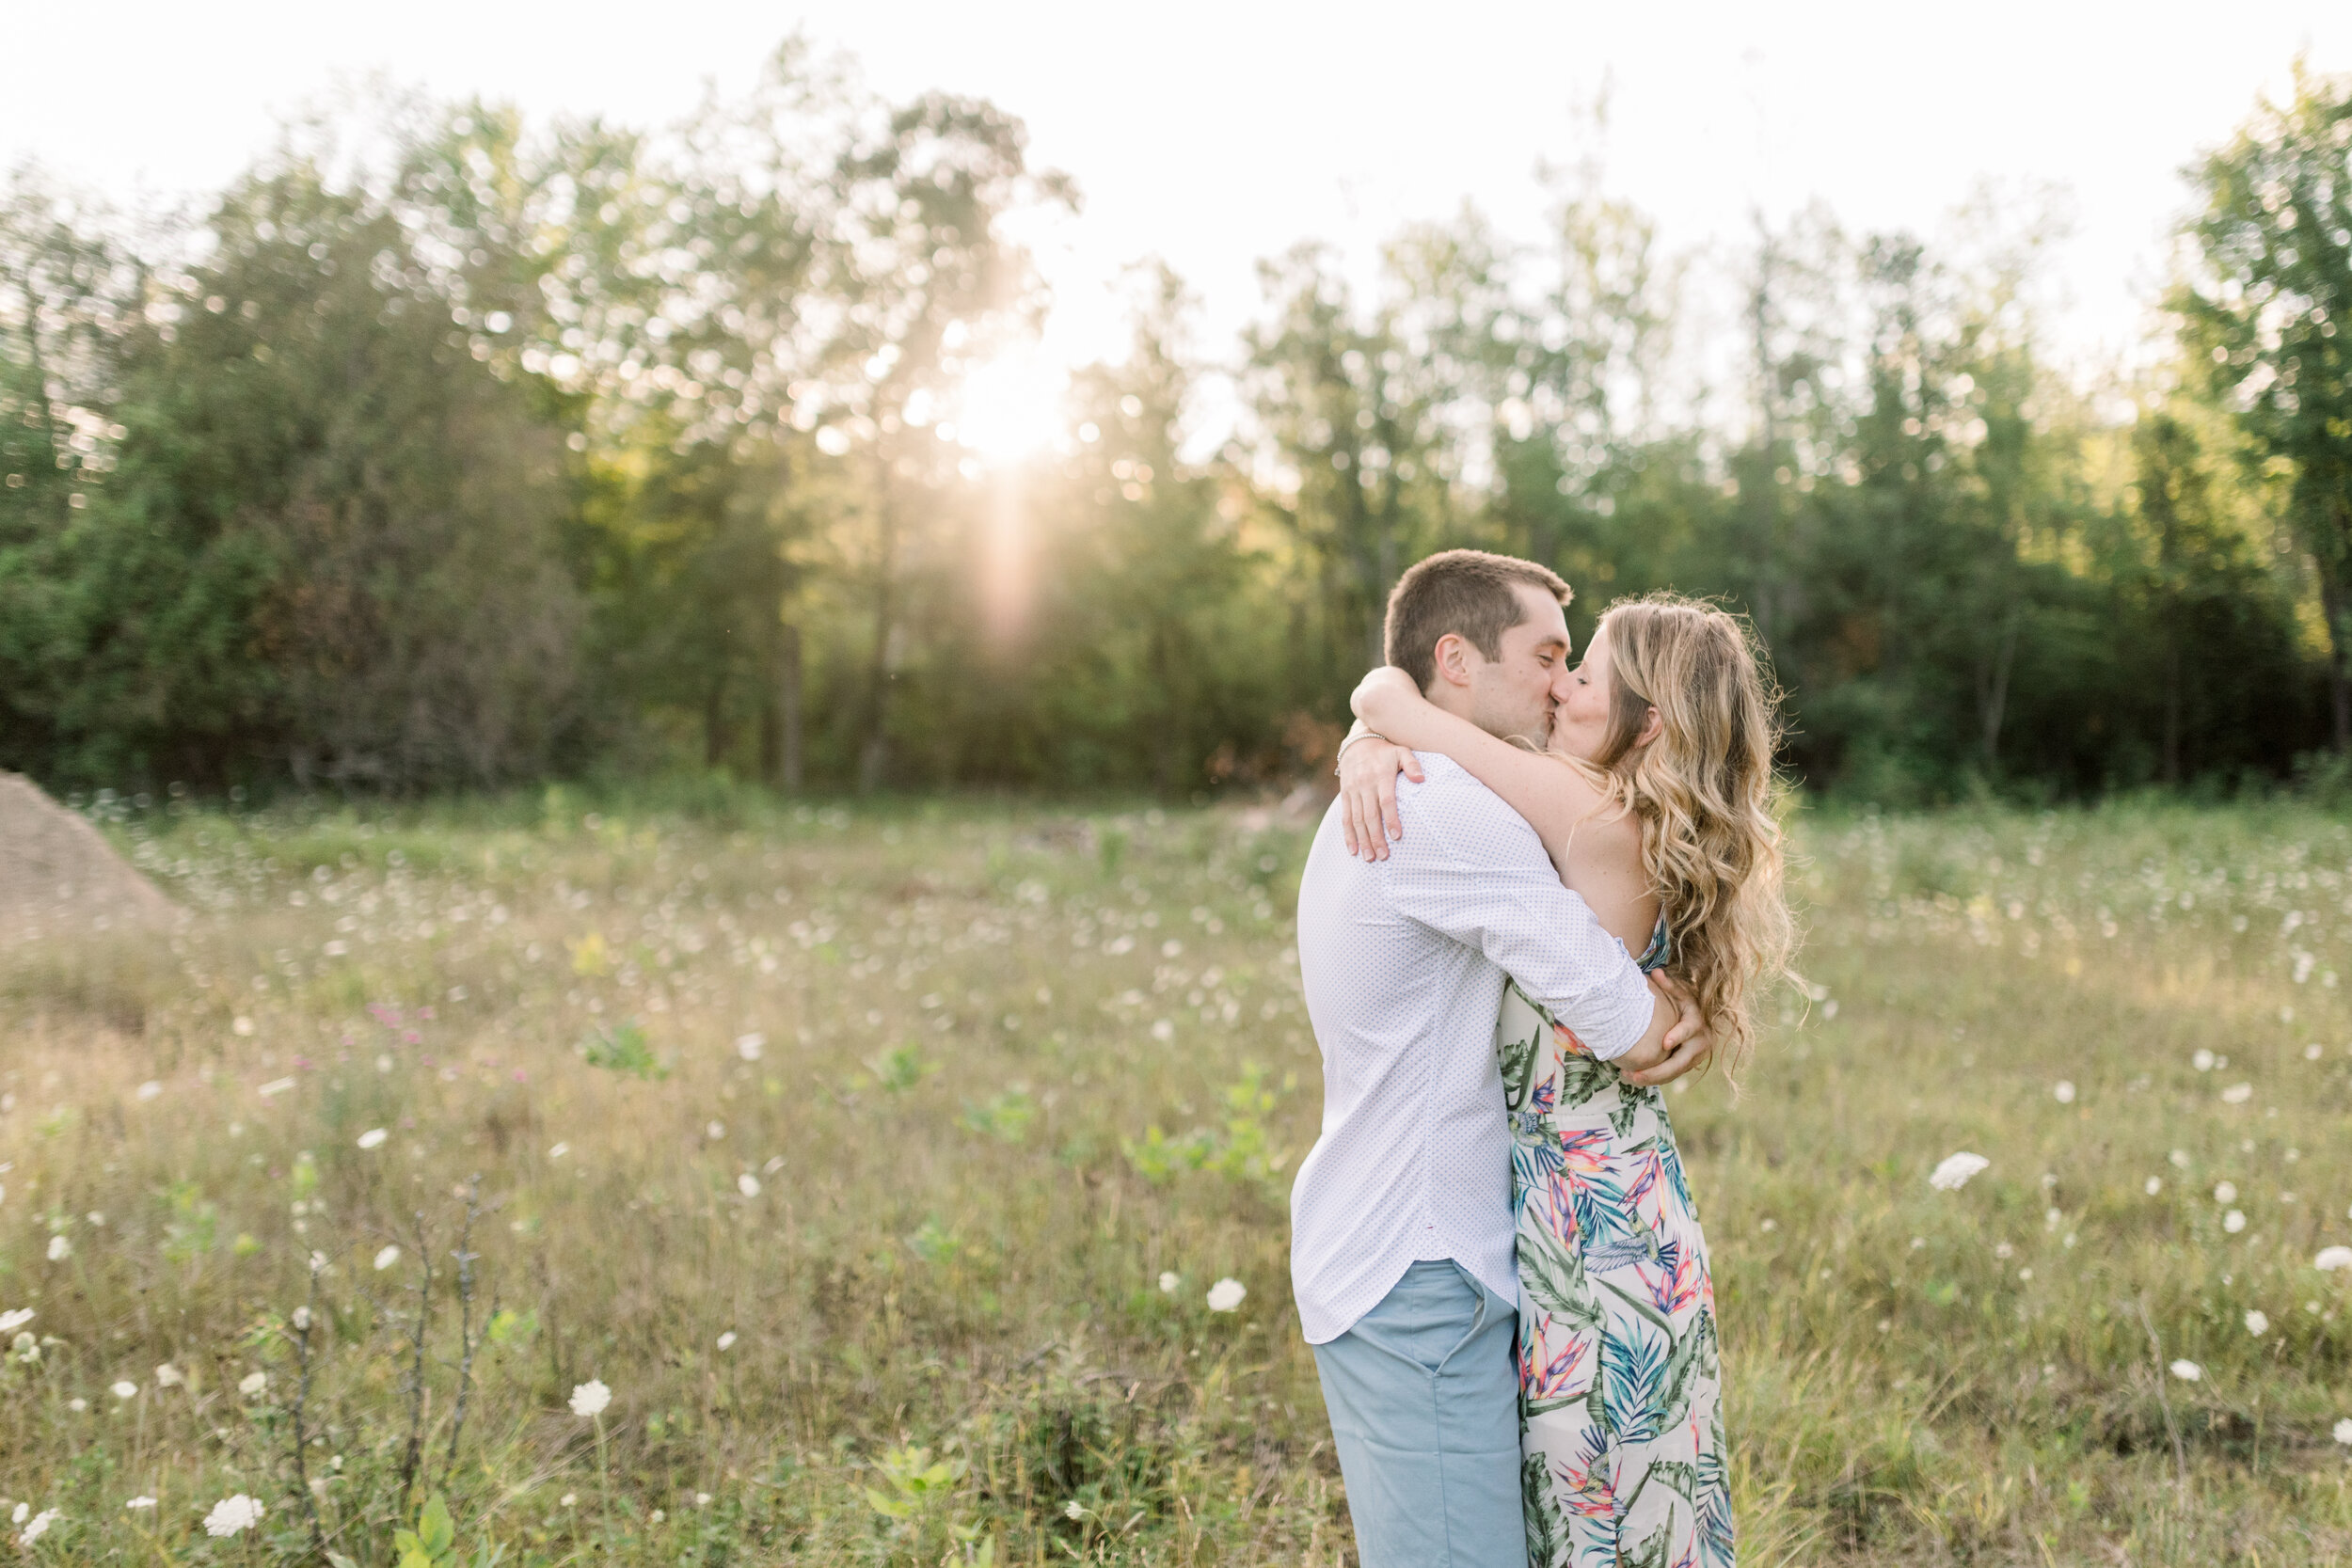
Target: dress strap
(1661, 951)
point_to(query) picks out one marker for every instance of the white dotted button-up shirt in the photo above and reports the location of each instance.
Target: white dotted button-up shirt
(1403, 962)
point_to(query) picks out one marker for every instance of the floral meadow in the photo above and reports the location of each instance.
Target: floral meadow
(562, 1180)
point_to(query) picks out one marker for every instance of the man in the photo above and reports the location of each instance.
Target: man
(1402, 1239)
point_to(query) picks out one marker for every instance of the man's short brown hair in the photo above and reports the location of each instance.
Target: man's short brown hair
(1468, 592)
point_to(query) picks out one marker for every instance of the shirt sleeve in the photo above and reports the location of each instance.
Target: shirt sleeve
(1470, 868)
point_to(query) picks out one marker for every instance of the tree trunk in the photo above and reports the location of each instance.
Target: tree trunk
(2171, 709)
(2168, 566)
(1763, 499)
(1386, 565)
(874, 740)
(1995, 693)
(787, 708)
(715, 723)
(2338, 631)
(40, 389)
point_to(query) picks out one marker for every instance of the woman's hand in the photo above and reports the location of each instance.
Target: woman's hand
(1368, 772)
(1379, 694)
(1688, 1044)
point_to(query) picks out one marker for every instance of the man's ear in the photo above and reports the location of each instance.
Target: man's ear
(1454, 659)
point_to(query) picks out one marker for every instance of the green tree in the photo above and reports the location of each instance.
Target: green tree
(1173, 660)
(1349, 407)
(929, 285)
(2262, 308)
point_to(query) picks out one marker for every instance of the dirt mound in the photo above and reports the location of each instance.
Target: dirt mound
(58, 877)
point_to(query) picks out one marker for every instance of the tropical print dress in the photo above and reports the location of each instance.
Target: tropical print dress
(1621, 1429)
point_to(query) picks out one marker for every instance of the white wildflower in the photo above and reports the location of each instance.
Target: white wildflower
(59, 1249)
(1226, 1295)
(149, 1089)
(2257, 1323)
(715, 1131)
(124, 1390)
(2234, 1221)
(2238, 1094)
(559, 1151)
(2331, 1258)
(302, 1319)
(702, 1499)
(2154, 1185)
(2343, 1431)
(1074, 1508)
(253, 1383)
(590, 1397)
(140, 1503)
(1163, 1031)
(2187, 1372)
(750, 1046)
(38, 1526)
(726, 1340)
(25, 1348)
(24, 1511)
(1167, 1283)
(747, 1184)
(2202, 1061)
(373, 1139)
(14, 1319)
(2225, 1192)
(386, 1258)
(233, 1515)
(567, 1500)
(1954, 1172)
(2065, 1091)
(274, 1087)
(168, 1376)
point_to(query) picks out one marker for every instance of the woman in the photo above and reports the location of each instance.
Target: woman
(1655, 802)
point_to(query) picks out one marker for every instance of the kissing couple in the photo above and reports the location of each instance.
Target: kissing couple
(1494, 1248)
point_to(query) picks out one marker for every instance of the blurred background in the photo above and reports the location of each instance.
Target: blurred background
(483, 488)
(1048, 400)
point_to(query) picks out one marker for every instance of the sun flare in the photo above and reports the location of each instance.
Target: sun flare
(1010, 407)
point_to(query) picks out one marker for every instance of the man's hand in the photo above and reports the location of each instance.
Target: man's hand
(1368, 773)
(1666, 1054)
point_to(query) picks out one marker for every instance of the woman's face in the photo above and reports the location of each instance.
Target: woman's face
(1580, 723)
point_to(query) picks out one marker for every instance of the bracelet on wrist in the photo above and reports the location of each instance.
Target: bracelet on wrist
(1360, 735)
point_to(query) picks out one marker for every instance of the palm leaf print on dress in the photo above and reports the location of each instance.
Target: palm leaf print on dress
(1620, 1374)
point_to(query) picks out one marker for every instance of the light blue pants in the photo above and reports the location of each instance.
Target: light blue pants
(1423, 1398)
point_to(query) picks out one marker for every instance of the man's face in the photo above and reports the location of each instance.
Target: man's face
(1513, 695)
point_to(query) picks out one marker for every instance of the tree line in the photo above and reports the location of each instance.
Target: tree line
(445, 450)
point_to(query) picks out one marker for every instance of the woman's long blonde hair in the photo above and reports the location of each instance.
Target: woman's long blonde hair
(1702, 790)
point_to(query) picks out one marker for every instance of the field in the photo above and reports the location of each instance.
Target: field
(878, 1164)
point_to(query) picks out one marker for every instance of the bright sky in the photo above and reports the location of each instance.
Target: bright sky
(1221, 131)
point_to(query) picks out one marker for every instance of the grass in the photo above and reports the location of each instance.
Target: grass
(880, 1164)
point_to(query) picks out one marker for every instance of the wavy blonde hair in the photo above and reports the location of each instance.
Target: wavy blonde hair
(1703, 792)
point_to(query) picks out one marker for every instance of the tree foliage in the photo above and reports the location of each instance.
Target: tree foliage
(502, 451)
(2265, 308)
